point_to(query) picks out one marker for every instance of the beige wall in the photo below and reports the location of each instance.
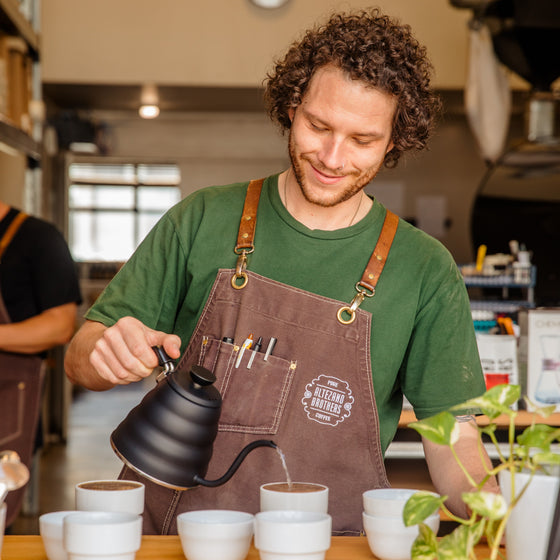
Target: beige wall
(12, 179)
(215, 42)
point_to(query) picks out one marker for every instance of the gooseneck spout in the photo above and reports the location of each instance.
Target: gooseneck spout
(236, 463)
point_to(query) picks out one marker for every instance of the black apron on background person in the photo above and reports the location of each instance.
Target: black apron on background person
(313, 397)
(21, 380)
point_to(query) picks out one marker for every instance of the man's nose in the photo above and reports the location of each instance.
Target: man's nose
(332, 155)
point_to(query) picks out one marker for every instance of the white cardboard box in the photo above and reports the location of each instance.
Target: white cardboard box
(543, 356)
(498, 357)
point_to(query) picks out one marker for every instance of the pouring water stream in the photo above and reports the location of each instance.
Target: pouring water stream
(285, 467)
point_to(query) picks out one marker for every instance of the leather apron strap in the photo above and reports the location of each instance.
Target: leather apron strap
(21, 381)
(11, 231)
(246, 234)
(365, 287)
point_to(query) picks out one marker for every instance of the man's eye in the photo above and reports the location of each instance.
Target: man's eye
(361, 142)
(317, 127)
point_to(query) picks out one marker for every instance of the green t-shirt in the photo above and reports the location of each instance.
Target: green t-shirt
(422, 341)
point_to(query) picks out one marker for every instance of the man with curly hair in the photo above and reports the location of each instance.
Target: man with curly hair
(316, 308)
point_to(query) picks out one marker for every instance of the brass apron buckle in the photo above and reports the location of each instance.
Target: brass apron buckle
(350, 311)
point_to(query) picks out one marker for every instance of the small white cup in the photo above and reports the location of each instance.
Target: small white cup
(292, 535)
(387, 502)
(3, 508)
(215, 534)
(110, 495)
(102, 535)
(50, 529)
(388, 537)
(299, 496)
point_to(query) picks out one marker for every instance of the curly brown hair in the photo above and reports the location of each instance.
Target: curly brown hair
(370, 47)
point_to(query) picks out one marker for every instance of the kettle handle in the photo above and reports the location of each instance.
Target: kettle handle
(236, 463)
(165, 361)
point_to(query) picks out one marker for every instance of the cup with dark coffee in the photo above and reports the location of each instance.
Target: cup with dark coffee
(110, 495)
(298, 496)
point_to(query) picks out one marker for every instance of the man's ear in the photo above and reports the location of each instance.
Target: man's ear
(291, 113)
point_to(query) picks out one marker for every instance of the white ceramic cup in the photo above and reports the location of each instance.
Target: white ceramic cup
(388, 537)
(50, 529)
(3, 508)
(292, 535)
(387, 502)
(215, 534)
(102, 535)
(299, 496)
(110, 495)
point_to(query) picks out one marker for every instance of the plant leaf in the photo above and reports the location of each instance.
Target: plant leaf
(548, 458)
(487, 504)
(425, 546)
(488, 430)
(539, 436)
(544, 411)
(495, 401)
(459, 544)
(439, 428)
(454, 545)
(421, 505)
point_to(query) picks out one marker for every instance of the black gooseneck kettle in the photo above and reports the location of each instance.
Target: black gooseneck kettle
(168, 437)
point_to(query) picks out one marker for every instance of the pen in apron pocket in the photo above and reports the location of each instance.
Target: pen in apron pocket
(247, 344)
(270, 348)
(256, 349)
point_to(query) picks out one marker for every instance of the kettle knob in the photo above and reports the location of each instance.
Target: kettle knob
(201, 376)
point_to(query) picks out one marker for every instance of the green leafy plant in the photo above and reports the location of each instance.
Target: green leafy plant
(529, 451)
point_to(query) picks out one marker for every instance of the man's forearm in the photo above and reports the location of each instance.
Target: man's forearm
(51, 328)
(101, 357)
(77, 359)
(448, 478)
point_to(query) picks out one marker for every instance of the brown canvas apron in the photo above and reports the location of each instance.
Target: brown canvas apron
(21, 379)
(313, 396)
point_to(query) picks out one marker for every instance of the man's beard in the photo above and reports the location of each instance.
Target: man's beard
(348, 192)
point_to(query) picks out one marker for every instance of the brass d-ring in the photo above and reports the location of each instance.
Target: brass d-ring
(236, 277)
(350, 312)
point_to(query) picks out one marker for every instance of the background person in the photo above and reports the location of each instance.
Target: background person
(39, 295)
(353, 94)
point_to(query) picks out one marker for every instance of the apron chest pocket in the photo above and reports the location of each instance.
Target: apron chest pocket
(253, 399)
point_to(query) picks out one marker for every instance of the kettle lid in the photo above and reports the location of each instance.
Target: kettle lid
(196, 385)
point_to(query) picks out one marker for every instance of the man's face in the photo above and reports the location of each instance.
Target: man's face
(339, 136)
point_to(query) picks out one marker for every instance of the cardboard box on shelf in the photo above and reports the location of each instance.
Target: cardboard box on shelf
(15, 81)
(541, 329)
(498, 356)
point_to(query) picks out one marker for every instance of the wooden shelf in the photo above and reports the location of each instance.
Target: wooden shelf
(17, 139)
(523, 419)
(12, 20)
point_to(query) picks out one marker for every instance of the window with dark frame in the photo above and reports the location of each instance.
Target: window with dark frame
(112, 206)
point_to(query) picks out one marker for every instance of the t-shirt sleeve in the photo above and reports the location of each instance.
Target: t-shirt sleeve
(151, 285)
(55, 276)
(442, 366)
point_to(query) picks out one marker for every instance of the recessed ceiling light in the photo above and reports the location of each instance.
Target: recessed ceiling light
(149, 111)
(269, 3)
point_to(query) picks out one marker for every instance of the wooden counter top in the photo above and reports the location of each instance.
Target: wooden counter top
(524, 419)
(30, 547)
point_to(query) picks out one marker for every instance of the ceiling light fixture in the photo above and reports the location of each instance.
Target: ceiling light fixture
(148, 111)
(269, 3)
(149, 99)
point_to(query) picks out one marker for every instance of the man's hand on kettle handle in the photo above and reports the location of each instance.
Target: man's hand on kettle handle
(124, 354)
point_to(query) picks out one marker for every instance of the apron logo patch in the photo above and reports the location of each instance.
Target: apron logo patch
(327, 400)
